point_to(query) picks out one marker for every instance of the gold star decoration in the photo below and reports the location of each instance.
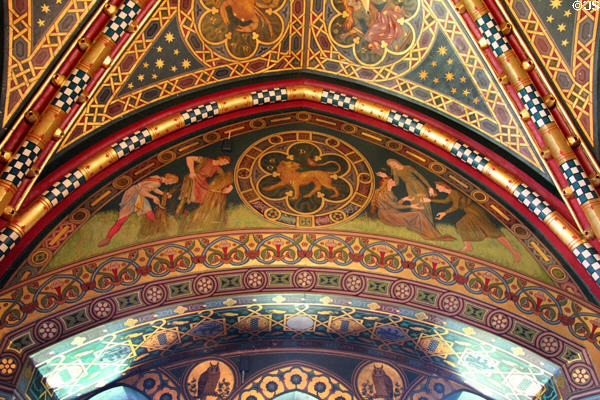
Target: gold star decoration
(140, 77)
(453, 90)
(154, 76)
(466, 92)
(58, 1)
(434, 63)
(450, 61)
(442, 50)
(146, 65)
(45, 8)
(159, 63)
(449, 76)
(41, 22)
(463, 79)
(564, 42)
(567, 13)
(169, 37)
(436, 80)
(476, 100)
(549, 18)
(173, 68)
(555, 3)
(561, 27)
(423, 74)
(130, 85)
(159, 49)
(176, 51)
(186, 63)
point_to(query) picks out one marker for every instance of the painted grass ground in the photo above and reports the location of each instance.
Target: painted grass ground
(84, 243)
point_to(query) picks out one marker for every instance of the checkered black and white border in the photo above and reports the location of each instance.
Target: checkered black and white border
(132, 142)
(64, 187)
(121, 20)
(275, 95)
(8, 240)
(338, 99)
(533, 201)
(68, 93)
(578, 180)
(405, 122)
(200, 113)
(490, 30)
(590, 259)
(533, 102)
(17, 168)
(470, 156)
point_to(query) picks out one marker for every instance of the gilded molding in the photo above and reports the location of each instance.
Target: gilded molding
(234, 103)
(476, 8)
(511, 64)
(27, 220)
(501, 177)
(563, 230)
(591, 209)
(98, 162)
(95, 55)
(166, 126)
(46, 125)
(371, 109)
(303, 92)
(557, 143)
(437, 137)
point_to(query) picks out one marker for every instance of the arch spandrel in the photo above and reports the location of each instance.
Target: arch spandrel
(50, 302)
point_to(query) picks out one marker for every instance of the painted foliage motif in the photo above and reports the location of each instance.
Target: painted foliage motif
(382, 187)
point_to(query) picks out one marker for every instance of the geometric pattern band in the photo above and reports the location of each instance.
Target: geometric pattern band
(589, 258)
(533, 201)
(132, 142)
(121, 20)
(61, 189)
(275, 95)
(19, 165)
(338, 99)
(536, 107)
(405, 122)
(578, 180)
(8, 240)
(470, 156)
(490, 30)
(200, 113)
(70, 90)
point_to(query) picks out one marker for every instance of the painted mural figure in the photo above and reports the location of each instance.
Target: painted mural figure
(392, 211)
(475, 224)
(239, 15)
(136, 200)
(195, 186)
(380, 23)
(415, 183)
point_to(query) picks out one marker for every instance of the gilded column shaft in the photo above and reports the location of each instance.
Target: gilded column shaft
(511, 64)
(476, 8)
(556, 143)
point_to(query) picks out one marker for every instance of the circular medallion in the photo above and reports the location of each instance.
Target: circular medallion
(379, 381)
(304, 179)
(233, 29)
(210, 380)
(375, 32)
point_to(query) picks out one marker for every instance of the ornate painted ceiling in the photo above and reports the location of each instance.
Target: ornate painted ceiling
(299, 200)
